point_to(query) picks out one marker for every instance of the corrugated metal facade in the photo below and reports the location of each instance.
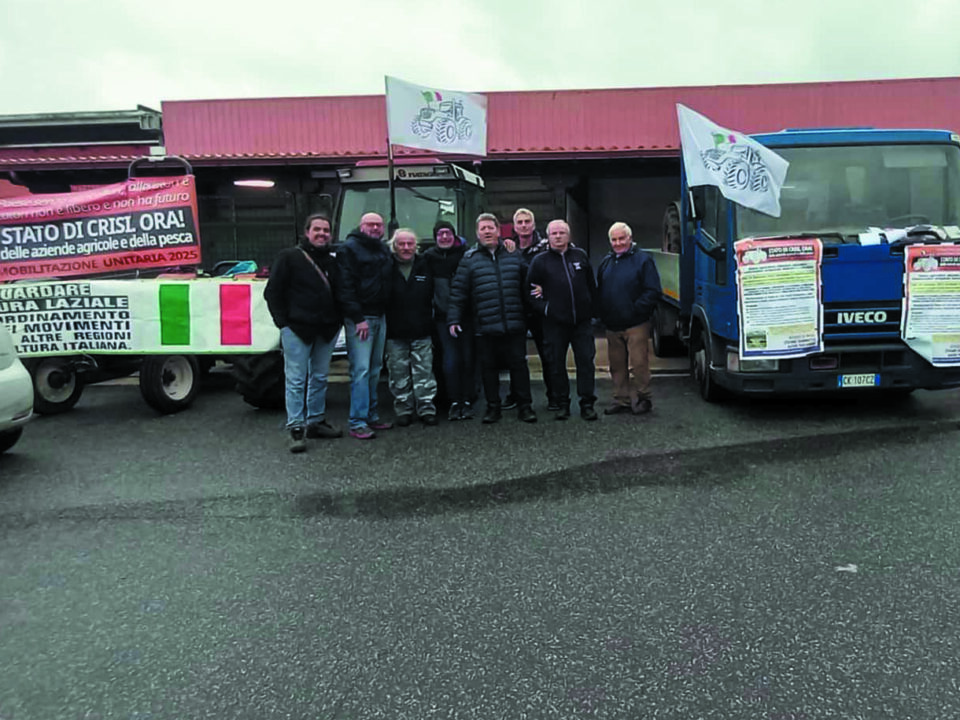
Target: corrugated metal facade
(585, 123)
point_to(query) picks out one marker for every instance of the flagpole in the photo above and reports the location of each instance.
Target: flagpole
(393, 224)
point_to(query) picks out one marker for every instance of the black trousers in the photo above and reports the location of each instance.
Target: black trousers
(504, 351)
(557, 337)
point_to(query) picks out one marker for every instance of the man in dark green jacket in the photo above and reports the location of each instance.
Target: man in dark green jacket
(492, 279)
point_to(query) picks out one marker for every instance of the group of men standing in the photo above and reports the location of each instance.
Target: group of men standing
(468, 305)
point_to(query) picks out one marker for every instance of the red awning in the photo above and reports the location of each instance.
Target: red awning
(584, 123)
(69, 157)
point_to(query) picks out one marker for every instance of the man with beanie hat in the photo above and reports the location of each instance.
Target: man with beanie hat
(456, 355)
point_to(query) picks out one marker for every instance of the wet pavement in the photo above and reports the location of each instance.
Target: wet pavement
(780, 561)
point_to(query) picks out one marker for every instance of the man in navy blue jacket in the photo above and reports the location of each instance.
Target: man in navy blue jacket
(563, 293)
(628, 287)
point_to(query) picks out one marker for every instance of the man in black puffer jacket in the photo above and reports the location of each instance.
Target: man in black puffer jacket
(493, 280)
(301, 295)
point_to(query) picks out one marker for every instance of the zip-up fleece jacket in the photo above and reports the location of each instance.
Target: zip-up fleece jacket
(297, 296)
(628, 287)
(443, 264)
(569, 289)
(410, 312)
(496, 285)
(365, 267)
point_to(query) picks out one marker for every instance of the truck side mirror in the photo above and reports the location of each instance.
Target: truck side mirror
(697, 202)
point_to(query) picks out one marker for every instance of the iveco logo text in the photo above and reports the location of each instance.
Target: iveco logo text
(847, 318)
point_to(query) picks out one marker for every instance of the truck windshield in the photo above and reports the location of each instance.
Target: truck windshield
(419, 207)
(845, 190)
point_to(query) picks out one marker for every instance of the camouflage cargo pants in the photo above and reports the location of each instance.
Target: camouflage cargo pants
(410, 369)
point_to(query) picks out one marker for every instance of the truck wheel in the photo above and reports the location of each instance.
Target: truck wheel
(260, 380)
(664, 346)
(9, 439)
(169, 383)
(56, 385)
(701, 359)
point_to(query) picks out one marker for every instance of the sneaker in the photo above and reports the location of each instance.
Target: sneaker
(554, 406)
(362, 433)
(509, 404)
(404, 420)
(641, 406)
(527, 414)
(323, 429)
(466, 411)
(380, 425)
(491, 416)
(455, 413)
(616, 408)
(429, 420)
(297, 442)
(588, 413)
(563, 412)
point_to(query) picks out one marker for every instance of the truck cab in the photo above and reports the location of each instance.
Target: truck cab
(865, 194)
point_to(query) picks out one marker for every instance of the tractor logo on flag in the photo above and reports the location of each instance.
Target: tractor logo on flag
(446, 121)
(739, 167)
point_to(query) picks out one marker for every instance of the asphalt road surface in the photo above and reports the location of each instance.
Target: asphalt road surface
(775, 561)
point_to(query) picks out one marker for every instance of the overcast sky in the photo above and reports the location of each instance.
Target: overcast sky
(66, 55)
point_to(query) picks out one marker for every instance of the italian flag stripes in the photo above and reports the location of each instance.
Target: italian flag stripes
(180, 319)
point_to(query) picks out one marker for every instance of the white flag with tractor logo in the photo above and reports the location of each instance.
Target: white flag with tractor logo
(440, 120)
(745, 171)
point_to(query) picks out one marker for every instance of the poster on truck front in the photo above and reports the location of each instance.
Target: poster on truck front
(156, 316)
(137, 224)
(930, 323)
(779, 304)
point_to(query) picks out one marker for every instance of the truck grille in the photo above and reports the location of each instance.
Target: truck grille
(863, 323)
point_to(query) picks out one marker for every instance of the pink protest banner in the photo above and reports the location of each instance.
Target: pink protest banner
(148, 222)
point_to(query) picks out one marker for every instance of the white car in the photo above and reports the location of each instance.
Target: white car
(16, 393)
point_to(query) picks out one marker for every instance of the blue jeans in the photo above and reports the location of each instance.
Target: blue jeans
(366, 361)
(306, 367)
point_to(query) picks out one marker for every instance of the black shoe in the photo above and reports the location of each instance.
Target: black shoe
(466, 411)
(615, 409)
(563, 412)
(297, 442)
(509, 404)
(429, 420)
(527, 414)
(588, 413)
(641, 406)
(455, 413)
(491, 416)
(404, 420)
(323, 429)
(555, 406)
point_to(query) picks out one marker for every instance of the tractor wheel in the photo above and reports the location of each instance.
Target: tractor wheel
(446, 131)
(260, 380)
(671, 228)
(56, 385)
(169, 383)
